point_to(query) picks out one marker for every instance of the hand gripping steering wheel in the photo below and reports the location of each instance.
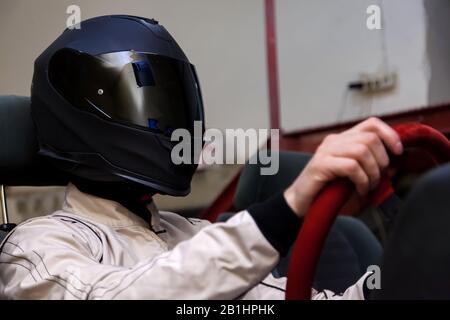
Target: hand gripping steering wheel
(332, 198)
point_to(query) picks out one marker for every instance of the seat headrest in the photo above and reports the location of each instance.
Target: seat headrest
(20, 165)
(254, 187)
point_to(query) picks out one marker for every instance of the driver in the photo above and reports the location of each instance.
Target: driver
(105, 100)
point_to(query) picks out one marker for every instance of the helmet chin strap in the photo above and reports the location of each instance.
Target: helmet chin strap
(131, 195)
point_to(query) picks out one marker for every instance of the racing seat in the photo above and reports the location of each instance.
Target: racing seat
(20, 165)
(350, 248)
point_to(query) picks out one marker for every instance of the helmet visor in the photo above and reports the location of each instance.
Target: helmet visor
(142, 89)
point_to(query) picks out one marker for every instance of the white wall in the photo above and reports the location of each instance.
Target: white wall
(324, 45)
(223, 38)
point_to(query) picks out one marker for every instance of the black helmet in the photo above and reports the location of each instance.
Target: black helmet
(106, 97)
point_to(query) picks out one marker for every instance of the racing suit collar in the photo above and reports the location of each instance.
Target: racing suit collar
(107, 212)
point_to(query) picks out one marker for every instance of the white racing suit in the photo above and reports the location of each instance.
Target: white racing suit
(97, 249)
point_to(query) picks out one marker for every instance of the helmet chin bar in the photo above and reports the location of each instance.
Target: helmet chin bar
(332, 198)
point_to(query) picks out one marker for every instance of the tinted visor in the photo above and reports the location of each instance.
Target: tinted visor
(147, 90)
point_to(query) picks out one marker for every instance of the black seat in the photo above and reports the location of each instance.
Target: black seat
(350, 248)
(20, 164)
(3, 235)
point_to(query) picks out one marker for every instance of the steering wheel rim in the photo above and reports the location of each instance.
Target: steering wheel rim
(331, 199)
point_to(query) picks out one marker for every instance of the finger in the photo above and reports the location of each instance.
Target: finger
(377, 148)
(388, 135)
(361, 153)
(351, 169)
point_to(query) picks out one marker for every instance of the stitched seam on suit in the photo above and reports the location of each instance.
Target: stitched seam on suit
(83, 223)
(90, 228)
(325, 294)
(85, 284)
(16, 245)
(133, 281)
(191, 222)
(72, 274)
(18, 264)
(58, 277)
(272, 286)
(42, 278)
(51, 275)
(123, 279)
(31, 273)
(45, 266)
(148, 267)
(30, 270)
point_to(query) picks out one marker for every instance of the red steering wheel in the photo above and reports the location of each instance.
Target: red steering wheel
(332, 198)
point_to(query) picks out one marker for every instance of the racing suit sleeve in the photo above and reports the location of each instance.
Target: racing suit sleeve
(46, 258)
